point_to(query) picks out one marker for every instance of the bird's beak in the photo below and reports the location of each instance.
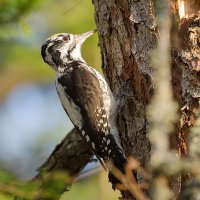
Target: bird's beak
(82, 37)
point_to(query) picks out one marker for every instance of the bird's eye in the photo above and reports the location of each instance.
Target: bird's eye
(65, 38)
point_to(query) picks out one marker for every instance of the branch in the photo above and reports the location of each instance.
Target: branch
(62, 166)
(71, 155)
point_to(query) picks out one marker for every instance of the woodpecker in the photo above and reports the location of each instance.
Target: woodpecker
(85, 97)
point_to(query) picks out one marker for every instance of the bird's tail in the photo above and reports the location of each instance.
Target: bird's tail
(119, 161)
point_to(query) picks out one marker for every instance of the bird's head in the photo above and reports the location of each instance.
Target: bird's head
(63, 48)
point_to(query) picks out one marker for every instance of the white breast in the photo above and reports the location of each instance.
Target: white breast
(72, 110)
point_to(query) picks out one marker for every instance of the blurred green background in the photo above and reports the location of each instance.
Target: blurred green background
(32, 120)
(21, 37)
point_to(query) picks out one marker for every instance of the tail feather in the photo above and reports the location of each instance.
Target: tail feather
(118, 160)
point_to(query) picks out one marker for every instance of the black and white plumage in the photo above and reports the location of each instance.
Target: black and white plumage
(85, 96)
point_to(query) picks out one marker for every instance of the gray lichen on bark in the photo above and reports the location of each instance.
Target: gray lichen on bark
(190, 56)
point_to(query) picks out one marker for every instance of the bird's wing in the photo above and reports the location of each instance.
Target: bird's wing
(82, 87)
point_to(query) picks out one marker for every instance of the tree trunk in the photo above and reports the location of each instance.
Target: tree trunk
(127, 35)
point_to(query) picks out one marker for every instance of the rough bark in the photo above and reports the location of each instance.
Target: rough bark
(127, 34)
(186, 79)
(185, 75)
